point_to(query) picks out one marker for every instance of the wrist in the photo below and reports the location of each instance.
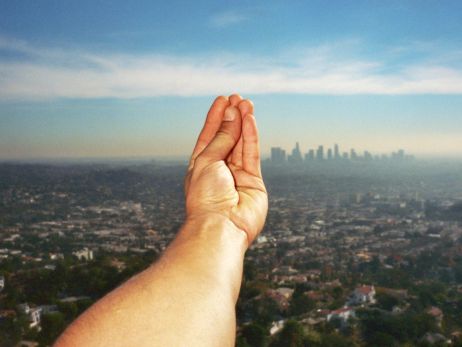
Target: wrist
(220, 244)
(216, 225)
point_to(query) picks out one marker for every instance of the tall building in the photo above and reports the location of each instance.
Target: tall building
(336, 152)
(278, 155)
(320, 153)
(310, 155)
(329, 154)
(296, 156)
(353, 155)
(398, 155)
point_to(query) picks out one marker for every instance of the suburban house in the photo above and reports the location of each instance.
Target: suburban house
(362, 295)
(342, 314)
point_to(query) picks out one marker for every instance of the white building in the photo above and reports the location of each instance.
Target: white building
(342, 314)
(277, 327)
(363, 295)
(84, 254)
(34, 314)
(34, 317)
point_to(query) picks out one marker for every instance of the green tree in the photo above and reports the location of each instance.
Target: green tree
(337, 293)
(255, 334)
(407, 327)
(265, 310)
(70, 310)
(53, 325)
(12, 329)
(381, 339)
(335, 340)
(386, 301)
(242, 342)
(292, 335)
(300, 302)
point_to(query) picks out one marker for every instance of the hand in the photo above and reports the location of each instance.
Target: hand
(224, 175)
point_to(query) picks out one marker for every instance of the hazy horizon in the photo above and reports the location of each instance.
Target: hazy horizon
(182, 159)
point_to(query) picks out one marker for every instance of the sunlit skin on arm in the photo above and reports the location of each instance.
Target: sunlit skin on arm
(188, 297)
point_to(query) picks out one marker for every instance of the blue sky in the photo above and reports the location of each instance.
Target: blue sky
(117, 78)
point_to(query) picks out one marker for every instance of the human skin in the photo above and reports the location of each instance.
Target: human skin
(188, 297)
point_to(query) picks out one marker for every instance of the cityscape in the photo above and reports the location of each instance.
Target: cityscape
(358, 109)
(279, 157)
(371, 257)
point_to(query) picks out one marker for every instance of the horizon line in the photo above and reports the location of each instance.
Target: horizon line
(176, 159)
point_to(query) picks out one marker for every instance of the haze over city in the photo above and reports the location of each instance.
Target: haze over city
(102, 79)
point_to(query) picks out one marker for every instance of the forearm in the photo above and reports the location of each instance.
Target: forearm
(186, 298)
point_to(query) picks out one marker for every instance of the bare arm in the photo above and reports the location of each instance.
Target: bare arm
(188, 297)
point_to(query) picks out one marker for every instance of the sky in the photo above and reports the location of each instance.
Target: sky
(98, 79)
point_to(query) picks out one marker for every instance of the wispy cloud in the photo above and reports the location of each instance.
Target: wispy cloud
(47, 73)
(228, 18)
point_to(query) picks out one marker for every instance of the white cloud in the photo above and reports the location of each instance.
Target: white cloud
(44, 73)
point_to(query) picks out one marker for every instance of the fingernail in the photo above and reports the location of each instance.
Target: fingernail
(230, 114)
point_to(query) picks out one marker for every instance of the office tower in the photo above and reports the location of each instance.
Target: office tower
(336, 152)
(345, 155)
(329, 154)
(297, 148)
(310, 155)
(320, 153)
(296, 156)
(398, 155)
(353, 155)
(274, 154)
(278, 155)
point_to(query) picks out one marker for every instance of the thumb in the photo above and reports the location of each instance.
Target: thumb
(226, 137)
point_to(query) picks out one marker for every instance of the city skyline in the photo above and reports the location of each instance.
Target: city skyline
(279, 155)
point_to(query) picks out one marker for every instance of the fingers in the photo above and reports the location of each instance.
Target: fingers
(225, 138)
(235, 99)
(246, 107)
(215, 128)
(250, 146)
(211, 126)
